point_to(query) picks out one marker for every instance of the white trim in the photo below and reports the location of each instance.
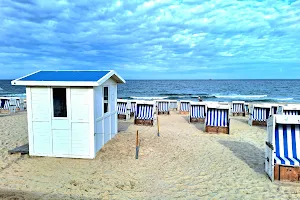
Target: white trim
(26, 76)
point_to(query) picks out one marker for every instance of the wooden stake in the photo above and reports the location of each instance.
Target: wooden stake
(137, 145)
(157, 127)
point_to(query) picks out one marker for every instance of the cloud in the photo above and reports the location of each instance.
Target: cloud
(145, 38)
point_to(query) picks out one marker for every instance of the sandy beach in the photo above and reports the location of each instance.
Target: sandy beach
(183, 163)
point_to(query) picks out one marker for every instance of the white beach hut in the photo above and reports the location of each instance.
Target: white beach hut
(290, 109)
(238, 108)
(258, 114)
(217, 118)
(70, 113)
(198, 112)
(282, 154)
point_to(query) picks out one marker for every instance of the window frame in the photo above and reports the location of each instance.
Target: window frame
(52, 103)
(106, 101)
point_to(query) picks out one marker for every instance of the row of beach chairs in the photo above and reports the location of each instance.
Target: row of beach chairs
(282, 152)
(11, 104)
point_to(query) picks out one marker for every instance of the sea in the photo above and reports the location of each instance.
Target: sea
(209, 90)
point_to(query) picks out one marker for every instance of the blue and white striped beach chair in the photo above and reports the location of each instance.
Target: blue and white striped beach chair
(217, 119)
(144, 113)
(238, 108)
(132, 107)
(173, 105)
(163, 107)
(283, 148)
(197, 112)
(123, 109)
(289, 110)
(4, 106)
(184, 107)
(259, 114)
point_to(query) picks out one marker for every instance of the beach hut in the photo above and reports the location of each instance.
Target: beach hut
(292, 109)
(173, 104)
(123, 109)
(163, 107)
(258, 114)
(70, 113)
(238, 108)
(184, 107)
(282, 154)
(144, 113)
(197, 112)
(217, 118)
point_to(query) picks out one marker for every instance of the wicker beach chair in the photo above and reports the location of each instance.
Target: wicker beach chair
(144, 114)
(217, 119)
(163, 107)
(282, 155)
(238, 108)
(184, 107)
(259, 113)
(197, 112)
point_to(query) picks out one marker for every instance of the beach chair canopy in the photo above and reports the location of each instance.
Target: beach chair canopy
(217, 115)
(238, 106)
(163, 106)
(145, 110)
(185, 105)
(121, 107)
(260, 112)
(198, 110)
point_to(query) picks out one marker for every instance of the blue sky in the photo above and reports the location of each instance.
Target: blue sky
(157, 39)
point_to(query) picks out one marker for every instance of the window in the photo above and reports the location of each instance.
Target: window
(105, 99)
(59, 102)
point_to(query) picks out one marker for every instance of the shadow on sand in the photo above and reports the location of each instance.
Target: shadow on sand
(250, 154)
(199, 125)
(22, 195)
(123, 125)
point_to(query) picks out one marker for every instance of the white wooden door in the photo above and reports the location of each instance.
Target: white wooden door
(269, 151)
(80, 129)
(41, 125)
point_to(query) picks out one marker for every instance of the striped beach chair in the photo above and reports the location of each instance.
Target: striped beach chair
(217, 118)
(184, 107)
(173, 105)
(123, 109)
(132, 107)
(289, 110)
(144, 113)
(163, 107)
(238, 108)
(259, 113)
(246, 108)
(5, 109)
(197, 112)
(282, 152)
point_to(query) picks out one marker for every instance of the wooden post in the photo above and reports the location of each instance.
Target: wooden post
(157, 127)
(137, 145)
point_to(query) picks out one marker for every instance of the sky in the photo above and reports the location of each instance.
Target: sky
(157, 39)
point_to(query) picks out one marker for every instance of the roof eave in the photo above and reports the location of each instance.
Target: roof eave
(110, 74)
(55, 83)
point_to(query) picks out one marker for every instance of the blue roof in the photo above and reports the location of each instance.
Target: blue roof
(91, 76)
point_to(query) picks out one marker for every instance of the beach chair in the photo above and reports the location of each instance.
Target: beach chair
(12, 105)
(173, 105)
(123, 109)
(259, 113)
(163, 107)
(144, 113)
(197, 112)
(274, 108)
(132, 107)
(184, 107)
(289, 109)
(246, 108)
(4, 105)
(238, 108)
(282, 153)
(217, 119)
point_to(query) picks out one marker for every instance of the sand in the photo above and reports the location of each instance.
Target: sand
(183, 163)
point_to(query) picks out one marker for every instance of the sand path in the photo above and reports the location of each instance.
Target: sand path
(183, 163)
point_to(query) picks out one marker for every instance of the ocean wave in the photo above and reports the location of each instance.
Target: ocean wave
(241, 96)
(148, 98)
